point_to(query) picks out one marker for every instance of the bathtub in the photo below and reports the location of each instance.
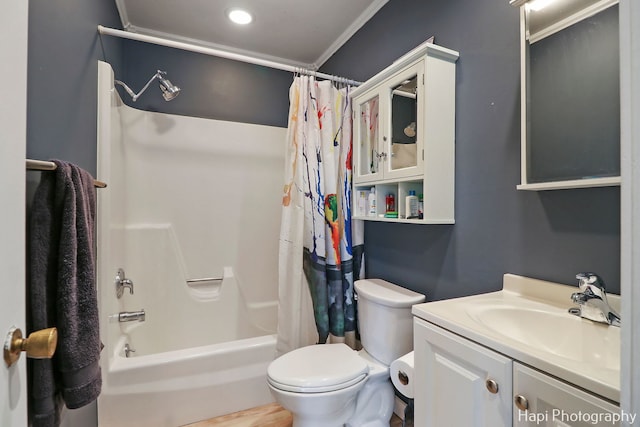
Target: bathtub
(184, 386)
(172, 379)
(202, 350)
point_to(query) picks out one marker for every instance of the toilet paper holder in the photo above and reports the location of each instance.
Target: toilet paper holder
(402, 371)
(403, 378)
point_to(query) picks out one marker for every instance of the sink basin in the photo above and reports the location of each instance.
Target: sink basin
(549, 329)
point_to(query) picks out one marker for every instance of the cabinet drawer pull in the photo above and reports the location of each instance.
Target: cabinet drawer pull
(521, 402)
(492, 386)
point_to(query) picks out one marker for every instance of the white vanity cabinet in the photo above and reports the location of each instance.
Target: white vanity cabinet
(461, 383)
(458, 382)
(541, 400)
(404, 132)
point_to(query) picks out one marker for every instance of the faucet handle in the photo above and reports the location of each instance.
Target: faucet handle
(578, 297)
(121, 283)
(589, 281)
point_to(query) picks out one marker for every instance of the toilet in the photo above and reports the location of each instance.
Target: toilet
(333, 385)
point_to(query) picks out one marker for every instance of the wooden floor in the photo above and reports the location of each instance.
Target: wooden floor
(272, 415)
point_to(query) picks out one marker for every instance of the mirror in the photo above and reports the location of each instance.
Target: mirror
(404, 112)
(369, 125)
(571, 95)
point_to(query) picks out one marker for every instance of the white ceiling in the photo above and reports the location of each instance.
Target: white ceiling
(294, 32)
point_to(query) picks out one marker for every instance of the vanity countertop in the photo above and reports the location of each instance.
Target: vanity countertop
(528, 321)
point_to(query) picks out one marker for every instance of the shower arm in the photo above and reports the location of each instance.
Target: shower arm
(135, 96)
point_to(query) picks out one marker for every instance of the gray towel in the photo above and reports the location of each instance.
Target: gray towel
(63, 292)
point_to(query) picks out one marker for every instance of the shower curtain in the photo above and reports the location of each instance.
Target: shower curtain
(321, 248)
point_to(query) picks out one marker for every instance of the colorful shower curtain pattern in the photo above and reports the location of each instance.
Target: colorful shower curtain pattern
(317, 229)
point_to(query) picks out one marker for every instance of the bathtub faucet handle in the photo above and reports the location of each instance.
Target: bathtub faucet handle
(128, 350)
(122, 282)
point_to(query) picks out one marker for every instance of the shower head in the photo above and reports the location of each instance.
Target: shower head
(169, 90)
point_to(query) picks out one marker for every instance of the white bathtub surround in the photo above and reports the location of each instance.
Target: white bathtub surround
(188, 199)
(317, 236)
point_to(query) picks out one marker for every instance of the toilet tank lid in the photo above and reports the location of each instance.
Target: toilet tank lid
(385, 293)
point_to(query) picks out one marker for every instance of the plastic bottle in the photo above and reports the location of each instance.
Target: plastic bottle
(411, 205)
(421, 206)
(372, 202)
(390, 205)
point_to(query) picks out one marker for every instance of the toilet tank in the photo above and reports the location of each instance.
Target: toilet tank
(384, 317)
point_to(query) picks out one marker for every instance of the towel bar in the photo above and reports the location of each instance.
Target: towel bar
(39, 165)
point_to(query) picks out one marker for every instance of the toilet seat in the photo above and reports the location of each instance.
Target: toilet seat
(317, 369)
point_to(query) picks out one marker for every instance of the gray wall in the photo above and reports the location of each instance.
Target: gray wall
(549, 235)
(64, 47)
(213, 88)
(62, 96)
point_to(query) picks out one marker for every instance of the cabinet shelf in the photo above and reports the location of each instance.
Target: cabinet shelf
(405, 220)
(611, 181)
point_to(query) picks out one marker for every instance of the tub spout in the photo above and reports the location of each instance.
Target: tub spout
(131, 316)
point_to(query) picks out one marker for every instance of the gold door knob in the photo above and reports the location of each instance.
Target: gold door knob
(39, 345)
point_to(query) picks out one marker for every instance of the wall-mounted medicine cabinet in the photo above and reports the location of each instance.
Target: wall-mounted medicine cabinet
(404, 137)
(570, 94)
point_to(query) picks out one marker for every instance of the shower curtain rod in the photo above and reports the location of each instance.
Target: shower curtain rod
(222, 54)
(39, 165)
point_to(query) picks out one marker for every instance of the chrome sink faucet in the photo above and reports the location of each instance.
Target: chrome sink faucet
(592, 300)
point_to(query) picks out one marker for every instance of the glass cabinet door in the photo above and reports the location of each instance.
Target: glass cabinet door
(388, 140)
(404, 114)
(368, 155)
(402, 142)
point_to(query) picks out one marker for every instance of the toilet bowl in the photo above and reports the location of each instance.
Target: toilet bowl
(333, 385)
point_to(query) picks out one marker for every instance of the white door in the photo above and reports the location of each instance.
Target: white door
(13, 113)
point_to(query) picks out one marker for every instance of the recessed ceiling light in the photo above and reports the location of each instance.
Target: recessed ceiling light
(240, 16)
